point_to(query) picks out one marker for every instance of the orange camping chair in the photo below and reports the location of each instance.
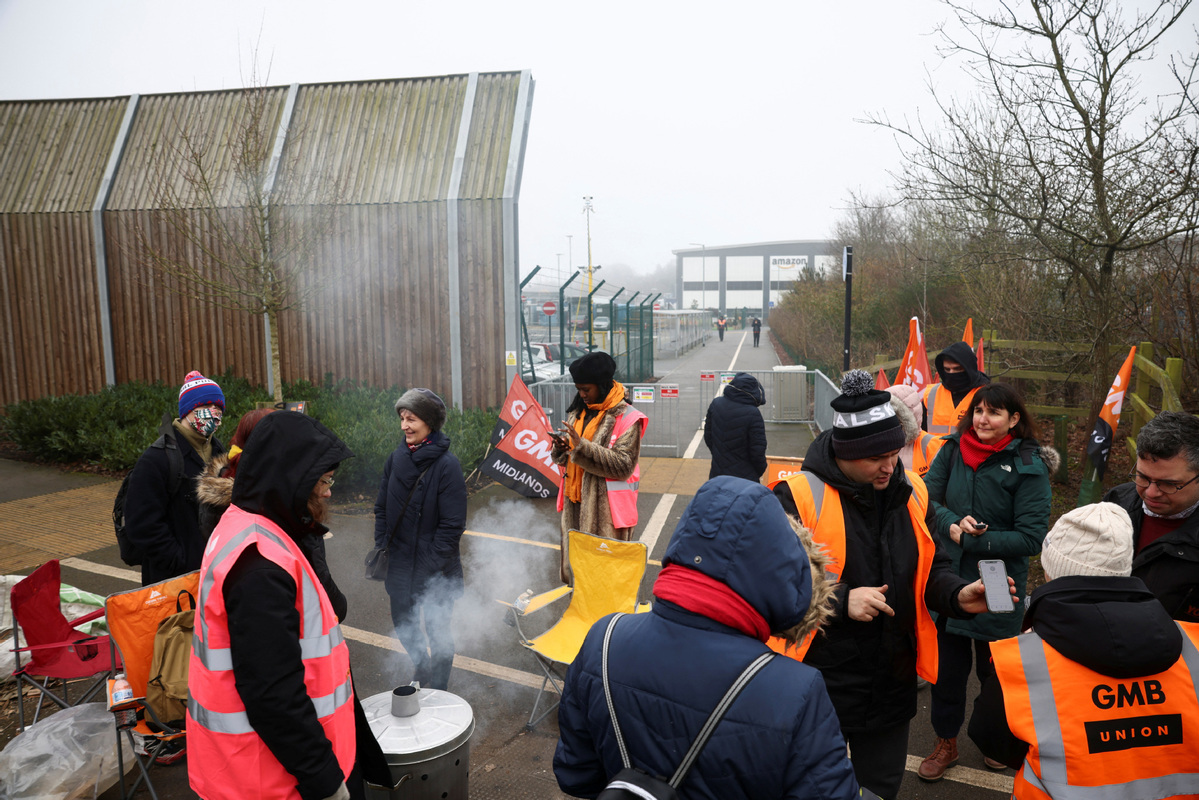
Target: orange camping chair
(133, 618)
(607, 578)
(55, 648)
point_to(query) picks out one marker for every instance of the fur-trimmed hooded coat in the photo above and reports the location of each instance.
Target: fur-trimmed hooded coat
(600, 463)
(669, 668)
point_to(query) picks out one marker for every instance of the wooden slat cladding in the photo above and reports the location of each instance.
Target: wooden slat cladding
(53, 153)
(379, 153)
(50, 336)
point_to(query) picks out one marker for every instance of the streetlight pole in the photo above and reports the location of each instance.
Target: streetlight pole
(703, 291)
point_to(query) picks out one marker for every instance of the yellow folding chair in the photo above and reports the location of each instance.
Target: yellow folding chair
(133, 618)
(607, 578)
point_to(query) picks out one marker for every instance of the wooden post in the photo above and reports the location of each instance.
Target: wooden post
(1143, 386)
(1061, 441)
(1174, 370)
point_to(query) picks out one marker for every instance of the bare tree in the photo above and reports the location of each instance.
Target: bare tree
(1059, 148)
(245, 218)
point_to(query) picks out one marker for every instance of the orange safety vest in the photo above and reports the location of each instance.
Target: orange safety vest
(622, 495)
(236, 763)
(924, 450)
(820, 511)
(1091, 736)
(943, 415)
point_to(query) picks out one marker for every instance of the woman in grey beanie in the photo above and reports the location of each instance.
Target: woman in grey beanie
(419, 517)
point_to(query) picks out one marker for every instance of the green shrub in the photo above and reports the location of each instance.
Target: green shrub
(111, 429)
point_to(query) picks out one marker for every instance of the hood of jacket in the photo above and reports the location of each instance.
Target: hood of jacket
(744, 388)
(1114, 626)
(1026, 451)
(276, 476)
(212, 487)
(736, 532)
(964, 355)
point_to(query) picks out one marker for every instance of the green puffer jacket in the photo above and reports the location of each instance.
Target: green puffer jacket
(1010, 492)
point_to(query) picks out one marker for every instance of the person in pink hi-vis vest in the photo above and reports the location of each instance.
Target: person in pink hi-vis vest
(599, 445)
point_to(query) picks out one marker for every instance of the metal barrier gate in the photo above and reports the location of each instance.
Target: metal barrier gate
(658, 401)
(793, 394)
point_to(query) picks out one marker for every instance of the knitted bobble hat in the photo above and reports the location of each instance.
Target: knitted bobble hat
(1090, 540)
(864, 423)
(197, 391)
(425, 404)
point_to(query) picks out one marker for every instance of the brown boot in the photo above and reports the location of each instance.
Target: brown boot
(944, 756)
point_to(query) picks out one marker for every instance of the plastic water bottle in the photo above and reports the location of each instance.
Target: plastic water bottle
(522, 602)
(122, 692)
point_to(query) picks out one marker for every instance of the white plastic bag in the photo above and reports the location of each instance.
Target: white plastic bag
(67, 755)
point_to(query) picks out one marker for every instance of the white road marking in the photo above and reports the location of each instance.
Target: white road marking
(657, 521)
(119, 573)
(739, 346)
(695, 442)
(983, 779)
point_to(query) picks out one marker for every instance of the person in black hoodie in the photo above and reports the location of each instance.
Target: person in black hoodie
(946, 402)
(285, 479)
(420, 515)
(734, 431)
(1099, 690)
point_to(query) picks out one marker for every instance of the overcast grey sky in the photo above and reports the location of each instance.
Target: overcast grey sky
(686, 122)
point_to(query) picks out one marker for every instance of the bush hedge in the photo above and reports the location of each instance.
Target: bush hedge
(111, 428)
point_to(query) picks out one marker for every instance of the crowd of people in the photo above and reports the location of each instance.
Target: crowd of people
(855, 582)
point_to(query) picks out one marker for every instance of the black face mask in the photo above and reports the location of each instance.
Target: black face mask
(956, 381)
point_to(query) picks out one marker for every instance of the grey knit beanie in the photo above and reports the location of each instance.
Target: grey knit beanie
(425, 404)
(1090, 540)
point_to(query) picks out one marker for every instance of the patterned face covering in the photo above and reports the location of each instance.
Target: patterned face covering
(206, 420)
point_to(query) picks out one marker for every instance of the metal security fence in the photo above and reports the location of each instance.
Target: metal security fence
(676, 332)
(824, 391)
(789, 392)
(658, 401)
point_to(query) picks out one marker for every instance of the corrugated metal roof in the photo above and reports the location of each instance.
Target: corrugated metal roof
(172, 134)
(53, 152)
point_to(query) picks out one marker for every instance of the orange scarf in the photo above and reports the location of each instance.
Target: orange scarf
(574, 473)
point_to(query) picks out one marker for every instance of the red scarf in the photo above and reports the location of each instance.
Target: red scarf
(696, 592)
(975, 452)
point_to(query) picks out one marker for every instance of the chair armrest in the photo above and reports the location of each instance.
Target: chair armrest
(98, 639)
(88, 617)
(540, 601)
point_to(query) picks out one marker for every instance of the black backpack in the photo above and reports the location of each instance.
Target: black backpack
(131, 553)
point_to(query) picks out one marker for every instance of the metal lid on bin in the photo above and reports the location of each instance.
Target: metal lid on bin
(444, 723)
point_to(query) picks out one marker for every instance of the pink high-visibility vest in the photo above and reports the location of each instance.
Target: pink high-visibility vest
(622, 495)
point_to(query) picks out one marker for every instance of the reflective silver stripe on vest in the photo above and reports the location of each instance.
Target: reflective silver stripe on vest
(235, 722)
(817, 488)
(1053, 779)
(220, 659)
(622, 486)
(930, 407)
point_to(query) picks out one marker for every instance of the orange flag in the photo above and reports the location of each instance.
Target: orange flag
(978, 354)
(881, 381)
(968, 334)
(1104, 434)
(914, 369)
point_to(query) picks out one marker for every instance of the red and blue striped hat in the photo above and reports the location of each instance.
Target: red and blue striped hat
(197, 391)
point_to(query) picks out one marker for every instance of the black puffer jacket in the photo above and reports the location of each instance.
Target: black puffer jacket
(166, 526)
(870, 667)
(1113, 626)
(425, 546)
(1169, 566)
(734, 431)
(274, 480)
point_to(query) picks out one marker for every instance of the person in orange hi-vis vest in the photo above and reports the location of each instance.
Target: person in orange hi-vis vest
(1097, 697)
(946, 402)
(872, 519)
(599, 449)
(272, 708)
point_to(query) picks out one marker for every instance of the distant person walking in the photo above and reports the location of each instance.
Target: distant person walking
(757, 326)
(721, 324)
(734, 431)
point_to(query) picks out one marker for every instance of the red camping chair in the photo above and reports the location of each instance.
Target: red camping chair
(55, 648)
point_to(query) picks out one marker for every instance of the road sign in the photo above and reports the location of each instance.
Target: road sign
(550, 308)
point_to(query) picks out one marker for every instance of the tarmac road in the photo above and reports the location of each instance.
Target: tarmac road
(511, 545)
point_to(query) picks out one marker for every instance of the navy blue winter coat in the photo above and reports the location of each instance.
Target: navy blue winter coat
(669, 668)
(734, 431)
(425, 546)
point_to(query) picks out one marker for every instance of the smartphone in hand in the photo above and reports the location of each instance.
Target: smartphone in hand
(999, 596)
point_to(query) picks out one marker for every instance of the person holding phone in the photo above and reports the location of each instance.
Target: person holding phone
(990, 494)
(599, 445)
